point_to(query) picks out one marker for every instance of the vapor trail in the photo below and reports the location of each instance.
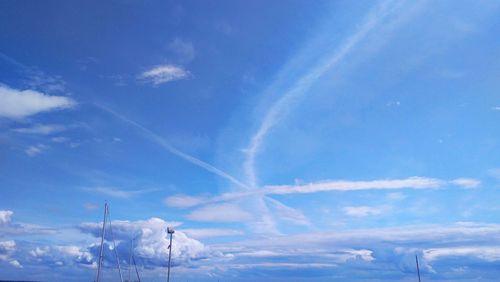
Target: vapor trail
(300, 87)
(167, 146)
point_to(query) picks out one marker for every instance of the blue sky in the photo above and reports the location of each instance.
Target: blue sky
(285, 141)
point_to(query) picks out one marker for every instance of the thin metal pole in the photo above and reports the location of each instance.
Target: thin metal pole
(102, 243)
(169, 257)
(418, 269)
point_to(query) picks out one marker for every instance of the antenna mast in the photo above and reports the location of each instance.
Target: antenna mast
(171, 231)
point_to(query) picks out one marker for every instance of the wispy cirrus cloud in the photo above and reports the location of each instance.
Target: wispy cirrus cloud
(183, 201)
(163, 74)
(37, 149)
(42, 129)
(362, 211)
(466, 182)
(200, 233)
(117, 192)
(414, 182)
(220, 213)
(17, 104)
(488, 253)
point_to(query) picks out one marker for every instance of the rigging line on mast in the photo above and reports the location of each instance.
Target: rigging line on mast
(114, 247)
(136, 271)
(98, 277)
(130, 258)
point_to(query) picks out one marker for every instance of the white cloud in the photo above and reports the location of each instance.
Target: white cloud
(9, 228)
(164, 73)
(43, 129)
(183, 201)
(220, 213)
(281, 265)
(7, 249)
(15, 264)
(118, 193)
(35, 149)
(18, 104)
(362, 211)
(151, 243)
(62, 255)
(59, 139)
(487, 253)
(211, 232)
(496, 108)
(5, 216)
(414, 182)
(466, 182)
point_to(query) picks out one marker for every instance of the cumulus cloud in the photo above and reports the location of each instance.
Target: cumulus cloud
(7, 249)
(220, 213)
(62, 255)
(164, 73)
(5, 217)
(151, 242)
(18, 104)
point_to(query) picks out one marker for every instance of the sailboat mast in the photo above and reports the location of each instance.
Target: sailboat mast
(114, 247)
(418, 269)
(102, 243)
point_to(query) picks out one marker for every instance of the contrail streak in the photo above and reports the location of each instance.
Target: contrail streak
(305, 82)
(167, 146)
